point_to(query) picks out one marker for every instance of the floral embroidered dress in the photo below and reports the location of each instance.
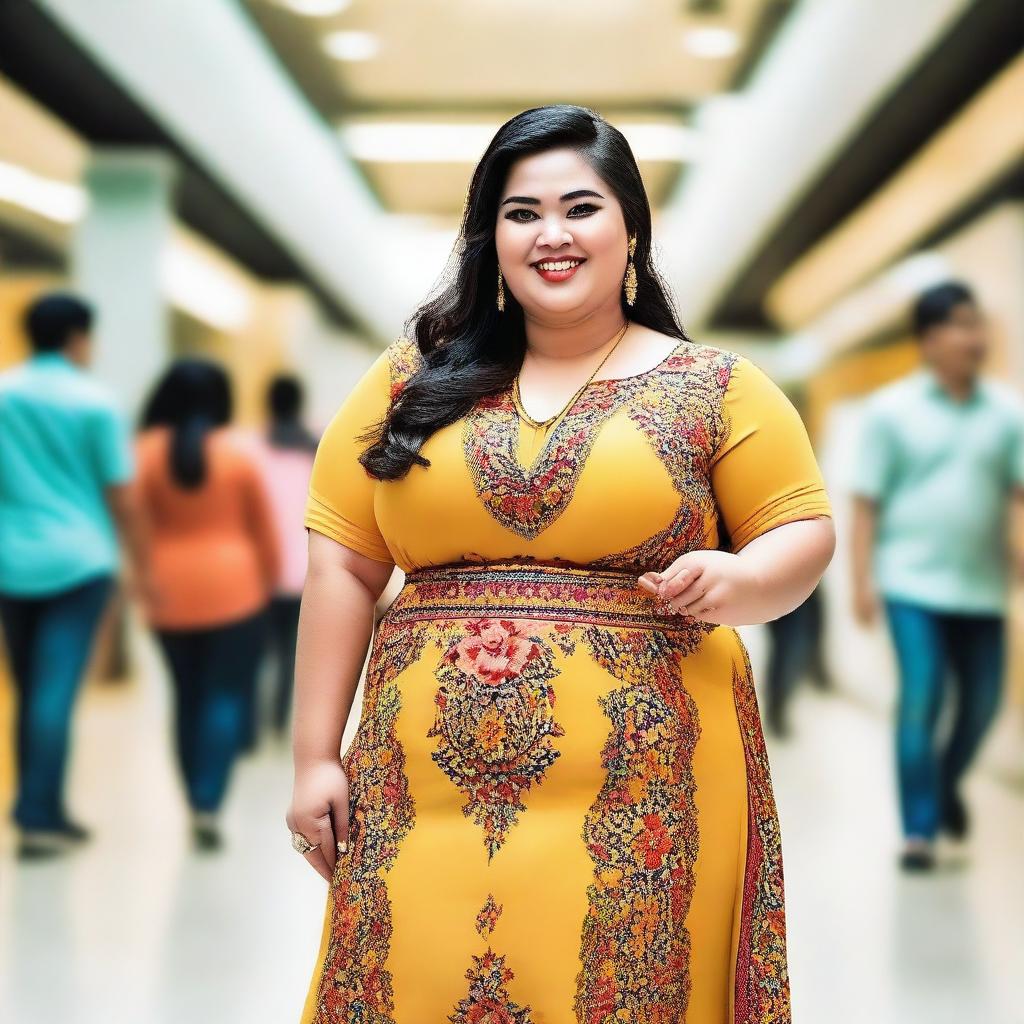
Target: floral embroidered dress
(561, 807)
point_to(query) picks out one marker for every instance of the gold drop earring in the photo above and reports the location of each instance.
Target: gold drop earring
(629, 281)
(501, 293)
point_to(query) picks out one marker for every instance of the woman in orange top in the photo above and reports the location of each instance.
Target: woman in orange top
(214, 558)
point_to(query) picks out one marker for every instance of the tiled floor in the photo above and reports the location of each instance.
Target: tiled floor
(135, 929)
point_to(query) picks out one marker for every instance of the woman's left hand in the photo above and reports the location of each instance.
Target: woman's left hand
(705, 584)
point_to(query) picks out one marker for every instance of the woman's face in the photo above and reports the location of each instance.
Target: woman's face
(555, 208)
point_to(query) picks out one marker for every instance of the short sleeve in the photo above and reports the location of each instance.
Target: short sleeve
(112, 446)
(874, 455)
(341, 491)
(763, 469)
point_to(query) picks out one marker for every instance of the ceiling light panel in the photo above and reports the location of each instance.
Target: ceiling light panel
(711, 43)
(351, 45)
(54, 200)
(471, 52)
(314, 8)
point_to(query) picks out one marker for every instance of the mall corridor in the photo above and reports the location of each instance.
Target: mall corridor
(521, 312)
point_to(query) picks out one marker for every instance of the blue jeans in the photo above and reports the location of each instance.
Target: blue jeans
(49, 640)
(929, 643)
(214, 674)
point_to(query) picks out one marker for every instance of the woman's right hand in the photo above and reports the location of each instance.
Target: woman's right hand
(319, 810)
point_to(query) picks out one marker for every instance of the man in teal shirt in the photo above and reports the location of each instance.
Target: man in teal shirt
(938, 483)
(65, 467)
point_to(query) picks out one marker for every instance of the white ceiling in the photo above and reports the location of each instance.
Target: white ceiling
(478, 62)
(753, 144)
(519, 54)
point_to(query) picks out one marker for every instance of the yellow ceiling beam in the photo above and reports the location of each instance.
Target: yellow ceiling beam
(973, 150)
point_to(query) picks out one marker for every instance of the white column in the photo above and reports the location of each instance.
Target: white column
(117, 258)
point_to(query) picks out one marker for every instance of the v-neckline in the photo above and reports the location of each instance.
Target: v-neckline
(577, 410)
(528, 499)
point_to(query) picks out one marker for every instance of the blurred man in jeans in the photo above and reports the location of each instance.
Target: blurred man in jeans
(65, 467)
(938, 484)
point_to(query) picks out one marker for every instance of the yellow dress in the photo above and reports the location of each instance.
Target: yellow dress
(561, 808)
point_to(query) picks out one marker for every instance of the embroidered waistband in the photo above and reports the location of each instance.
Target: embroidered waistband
(519, 590)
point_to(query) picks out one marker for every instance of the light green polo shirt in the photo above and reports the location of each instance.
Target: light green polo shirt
(62, 442)
(942, 471)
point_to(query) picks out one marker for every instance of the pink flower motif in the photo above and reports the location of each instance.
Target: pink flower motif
(494, 651)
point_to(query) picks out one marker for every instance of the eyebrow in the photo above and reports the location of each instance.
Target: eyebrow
(533, 201)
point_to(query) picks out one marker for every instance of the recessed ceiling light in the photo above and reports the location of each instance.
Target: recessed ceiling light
(314, 8)
(351, 45)
(711, 42)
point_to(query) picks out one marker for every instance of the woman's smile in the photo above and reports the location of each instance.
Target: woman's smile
(558, 270)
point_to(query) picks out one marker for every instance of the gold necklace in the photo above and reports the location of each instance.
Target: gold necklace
(583, 387)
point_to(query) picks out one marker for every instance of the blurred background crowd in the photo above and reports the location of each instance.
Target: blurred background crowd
(213, 215)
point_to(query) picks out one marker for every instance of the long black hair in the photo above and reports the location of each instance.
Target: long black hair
(192, 398)
(469, 348)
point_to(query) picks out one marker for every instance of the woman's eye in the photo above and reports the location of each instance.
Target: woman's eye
(585, 210)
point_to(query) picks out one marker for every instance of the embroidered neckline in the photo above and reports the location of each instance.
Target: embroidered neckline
(527, 500)
(589, 411)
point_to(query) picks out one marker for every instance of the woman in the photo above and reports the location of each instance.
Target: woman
(286, 451)
(214, 560)
(557, 805)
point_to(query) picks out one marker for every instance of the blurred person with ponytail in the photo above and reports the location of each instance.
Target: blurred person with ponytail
(215, 559)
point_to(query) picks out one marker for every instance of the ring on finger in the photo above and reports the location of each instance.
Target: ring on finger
(301, 844)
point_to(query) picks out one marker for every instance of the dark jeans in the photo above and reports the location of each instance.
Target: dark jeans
(214, 676)
(284, 627)
(49, 640)
(795, 651)
(928, 644)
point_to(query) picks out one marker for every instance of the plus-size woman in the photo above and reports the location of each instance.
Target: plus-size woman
(556, 807)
